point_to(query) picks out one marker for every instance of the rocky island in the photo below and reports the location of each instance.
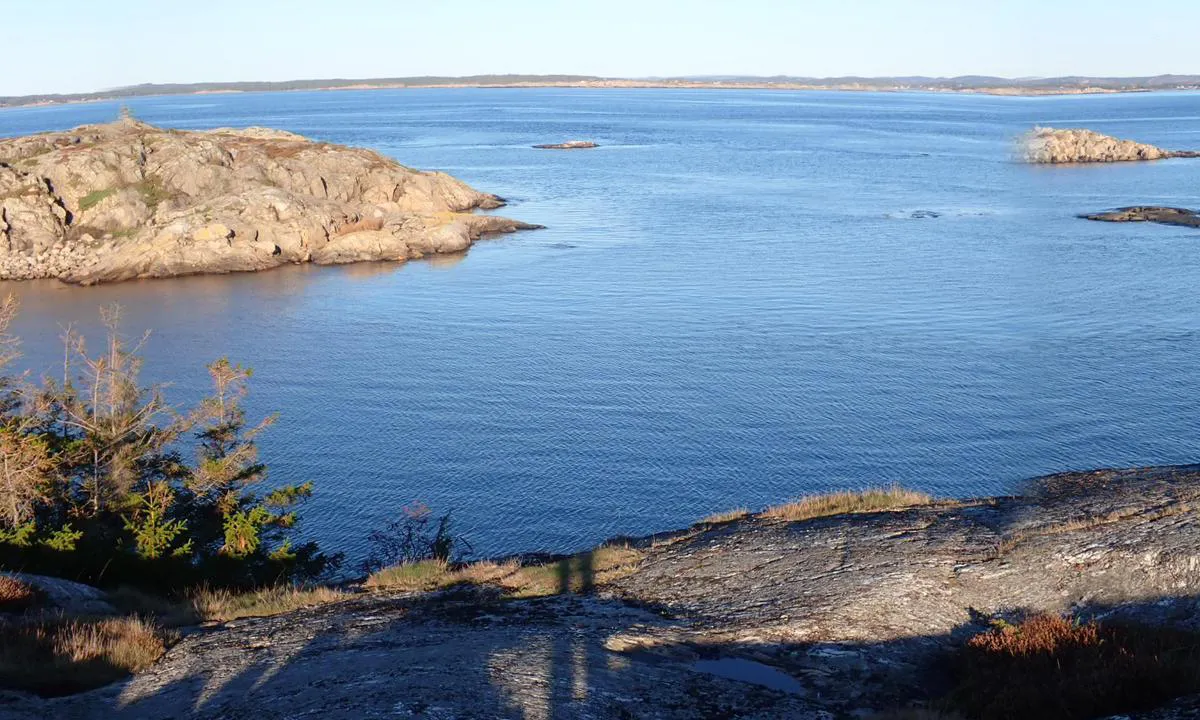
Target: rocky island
(127, 200)
(1045, 145)
(569, 145)
(843, 606)
(1148, 213)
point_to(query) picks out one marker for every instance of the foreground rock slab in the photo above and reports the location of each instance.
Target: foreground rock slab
(1046, 145)
(753, 618)
(126, 200)
(1154, 214)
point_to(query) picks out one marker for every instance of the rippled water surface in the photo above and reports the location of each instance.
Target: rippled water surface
(732, 305)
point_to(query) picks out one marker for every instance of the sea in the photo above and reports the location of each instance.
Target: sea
(740, 297)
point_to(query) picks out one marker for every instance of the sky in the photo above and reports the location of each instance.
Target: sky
(77, 46)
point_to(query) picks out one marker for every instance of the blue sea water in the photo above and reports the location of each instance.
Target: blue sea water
(732, 305)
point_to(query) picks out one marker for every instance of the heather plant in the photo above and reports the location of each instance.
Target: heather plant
(1046, 666)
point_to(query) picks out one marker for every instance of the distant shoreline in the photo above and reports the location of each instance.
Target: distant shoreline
(961, 86)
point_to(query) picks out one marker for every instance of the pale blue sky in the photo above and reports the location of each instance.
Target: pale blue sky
(72, 45)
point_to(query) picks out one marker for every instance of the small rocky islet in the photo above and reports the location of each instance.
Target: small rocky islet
(1055, 146)
(1052, 146)
(125, 200)
(569, 145)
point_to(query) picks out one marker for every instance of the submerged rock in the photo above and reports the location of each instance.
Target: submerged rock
(128, 200)
(1148, 213)
(571, 145)
(1044, 145)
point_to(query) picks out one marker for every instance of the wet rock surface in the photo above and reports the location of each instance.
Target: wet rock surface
(756, 618)
(126, 200)
(1045, 145)
(1148, 213)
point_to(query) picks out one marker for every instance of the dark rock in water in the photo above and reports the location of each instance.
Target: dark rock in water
(1162, 215)
(924, 214)
(572, 145)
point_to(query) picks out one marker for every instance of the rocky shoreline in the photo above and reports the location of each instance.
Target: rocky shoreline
(750, 617)
(105, 203)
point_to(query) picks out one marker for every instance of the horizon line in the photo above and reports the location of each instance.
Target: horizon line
(993, 84)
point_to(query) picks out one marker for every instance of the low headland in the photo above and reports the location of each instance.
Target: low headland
(126, 200)
(140, 584)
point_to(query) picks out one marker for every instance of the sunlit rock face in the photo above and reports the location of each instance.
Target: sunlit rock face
(127, 200)
(1044, 145)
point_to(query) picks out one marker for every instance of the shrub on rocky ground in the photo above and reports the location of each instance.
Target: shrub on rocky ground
(1061, 668)
(17, 596)
(96, 486)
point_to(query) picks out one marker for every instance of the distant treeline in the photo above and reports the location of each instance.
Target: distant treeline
(961, 83)
(146, 89)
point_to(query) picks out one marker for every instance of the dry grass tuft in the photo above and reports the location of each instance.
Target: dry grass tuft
(281, 149)
(840, 503)
(373, 223)
(60, 657)
(723, 518)
(1053, 667)
(418, 576)
(579, 573)
(94, 198)
(222, 605)
(428, 575)
(17, 596)
(484, 573)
